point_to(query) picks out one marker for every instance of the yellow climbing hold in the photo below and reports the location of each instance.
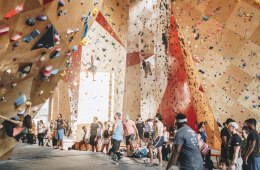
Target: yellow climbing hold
(257, 2)
(94, 12)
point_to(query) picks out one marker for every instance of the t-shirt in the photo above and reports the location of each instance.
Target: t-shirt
(118, 132)
(129, 127)
(140, 127)
(59, 124)
(190, 156)
(224, 132)
(253, 136)
(235, 140)
(93, 129)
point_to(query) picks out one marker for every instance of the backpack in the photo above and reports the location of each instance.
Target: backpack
(141, 153)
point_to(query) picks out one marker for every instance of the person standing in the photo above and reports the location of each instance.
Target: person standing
(158, 139)
(41, 132)
(131, 133)
(105, 138)
(252, 157)
(60, 131)
(201, 128)
(225, 135)
(93, 141)
(117, 133)
(186, 147)
(234, 144)
(140, 127)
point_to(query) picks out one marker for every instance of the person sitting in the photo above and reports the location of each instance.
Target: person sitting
(85, 139)
(15, 127)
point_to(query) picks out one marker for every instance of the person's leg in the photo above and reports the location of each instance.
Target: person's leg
(102, 147)
(39, 141)
(1, 126)
(107, 146)
(42, 137)
(8, 128)
(131, 149)
(151, 154)
(160, 155)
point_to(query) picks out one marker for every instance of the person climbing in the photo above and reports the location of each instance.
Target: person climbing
(92, 68)
(186, 146)
(158, 139)
(15, 127)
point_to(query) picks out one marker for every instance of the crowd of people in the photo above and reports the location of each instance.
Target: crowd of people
(178, 144)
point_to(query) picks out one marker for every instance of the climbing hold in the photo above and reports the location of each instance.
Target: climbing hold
(4, 29)
(56, 53)
(13, 12)
(74, 48)
(30, 37)
(61, 3)
(13, 85)
(16, 36)
(47, 40)
(94, 12)
(8, 71)
(20, 100)
(42, 18)
(246, 97)
(205, 18)
(55, 71)
(30, 22)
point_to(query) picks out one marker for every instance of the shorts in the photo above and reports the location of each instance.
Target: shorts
(141, 136)
(92, 141)
(158, 142)
(146, 134)
(129, 138)
(59, 135)
(105, 141)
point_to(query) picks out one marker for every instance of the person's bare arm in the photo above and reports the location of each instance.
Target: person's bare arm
(174, 157)
(250, 149)
(114, 128)
(12, 121)
(235, 155)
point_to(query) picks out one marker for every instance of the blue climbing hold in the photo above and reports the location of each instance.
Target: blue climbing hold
(205, 18)
(20, 100)
(55, 71)
(75, 48)
(246, 97)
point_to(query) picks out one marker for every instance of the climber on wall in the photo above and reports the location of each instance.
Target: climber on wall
(14, 127)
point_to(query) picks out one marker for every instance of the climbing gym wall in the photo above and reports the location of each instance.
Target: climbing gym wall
(223, 39)
(37, 40)
(104, 55)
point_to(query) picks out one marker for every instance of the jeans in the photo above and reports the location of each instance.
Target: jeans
(254, 163)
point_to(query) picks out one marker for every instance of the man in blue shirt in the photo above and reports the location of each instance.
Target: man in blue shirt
(117, 133)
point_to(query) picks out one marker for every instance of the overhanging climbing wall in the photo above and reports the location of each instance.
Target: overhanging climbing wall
(37, 39)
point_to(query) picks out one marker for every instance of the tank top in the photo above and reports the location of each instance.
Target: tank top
(17, 130)
(118, 132)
